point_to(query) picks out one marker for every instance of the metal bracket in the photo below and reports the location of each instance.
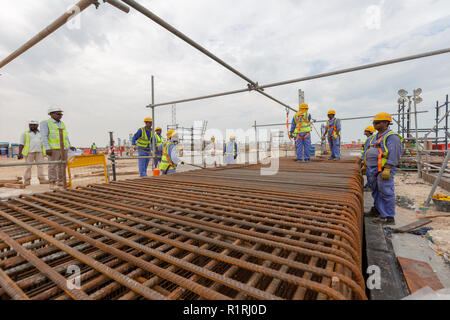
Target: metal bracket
(255, 86)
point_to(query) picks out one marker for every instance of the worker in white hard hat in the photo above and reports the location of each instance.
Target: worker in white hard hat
(169, 158)
(51, 141)
(32, 148)
(230, 150)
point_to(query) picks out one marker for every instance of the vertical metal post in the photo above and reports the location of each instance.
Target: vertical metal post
(153, 125)
(419, 157)
(398, 117)
(63, 157)
(446, 122)
(256, 143)
(192, 145)
(113, 156)
(247, 154)
(403, 119)
(437, 124)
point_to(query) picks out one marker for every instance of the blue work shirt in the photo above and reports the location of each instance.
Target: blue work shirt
(45, 132)
(331, 122)
(294, 125)
(138, 134)
(172, 153)
(393, 145)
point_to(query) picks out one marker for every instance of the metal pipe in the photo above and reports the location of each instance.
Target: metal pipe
(63, 157)
(153, 123)
(342, 119)
(321, 75)
(30, 163)
(113, 156)
(118, 5)
(55, 25)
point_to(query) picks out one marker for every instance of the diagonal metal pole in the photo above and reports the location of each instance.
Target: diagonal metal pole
(317, 76)
(439, 176)
(252, 85)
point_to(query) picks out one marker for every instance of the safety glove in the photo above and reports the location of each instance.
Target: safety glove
(335, 136)
(386, 174)
(363, 170)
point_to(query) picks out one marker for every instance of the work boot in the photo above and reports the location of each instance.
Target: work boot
(387, 220)
(53, 186)
(26, 182)
(336, 159)
(299, 160)
(60, 184)
(43, 181)
(373, 213)
(331, 158)
(307, 160)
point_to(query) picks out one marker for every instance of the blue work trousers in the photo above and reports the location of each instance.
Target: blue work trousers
(143, 163)
(383, 192)
(334, 147)
(303, 146)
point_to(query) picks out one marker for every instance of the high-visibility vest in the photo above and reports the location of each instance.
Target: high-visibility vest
(94, 147)
(53, 135)
(166, 162)
(26, 147)
(159, 140)
(382, 149)
(231, 145)
(143, 141)
(333, 127)
(302, 124)
(363, 148)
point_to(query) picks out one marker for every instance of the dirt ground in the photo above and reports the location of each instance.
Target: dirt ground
(409, 185)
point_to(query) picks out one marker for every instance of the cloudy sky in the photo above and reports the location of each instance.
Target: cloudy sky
(98, 67)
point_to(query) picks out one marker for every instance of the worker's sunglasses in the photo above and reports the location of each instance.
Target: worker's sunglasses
(376, 122)
(58, 113)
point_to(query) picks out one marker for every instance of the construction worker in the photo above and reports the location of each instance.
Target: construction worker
(169, 158)
(380, 159)
(333, 133)
(142, 140)
(368, 132)
(33, 150)
(94, 148)
(51, 141)
(301, 133)
(159, 142)
(230, 151)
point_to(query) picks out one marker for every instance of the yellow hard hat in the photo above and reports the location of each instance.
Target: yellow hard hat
(332, 112)
(158, 128)
(303, 106)
(170, 133)
(148, 119)
(370, 129)
(383, 116)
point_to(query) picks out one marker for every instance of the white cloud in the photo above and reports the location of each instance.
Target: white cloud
(101, 72)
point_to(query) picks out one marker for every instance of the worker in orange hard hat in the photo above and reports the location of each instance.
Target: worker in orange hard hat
(333, 132)
(380, 159)
(142, 139)
(301, 133)
(368, 132)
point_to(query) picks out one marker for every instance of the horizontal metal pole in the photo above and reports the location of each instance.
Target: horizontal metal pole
(321, 75)
(342, 119)
(24, 164)
(130, 158)
(119, 5)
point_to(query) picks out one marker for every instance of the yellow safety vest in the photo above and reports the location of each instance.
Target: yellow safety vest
(53, 135)
(159, 140)
(302, 124)
(26, 147)
(333, 127)
(382, 149)
(363, 148)
(166, 162)
(143, 141)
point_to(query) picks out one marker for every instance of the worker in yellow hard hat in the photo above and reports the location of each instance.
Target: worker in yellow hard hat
(230, 151)
(159, 142)
(380, 159)
(301, 133)
(333, 133)
(142, 140)
(170, 159)
(368, 132)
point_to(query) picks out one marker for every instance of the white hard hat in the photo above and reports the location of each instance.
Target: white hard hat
(33, 122)
(55, 109)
